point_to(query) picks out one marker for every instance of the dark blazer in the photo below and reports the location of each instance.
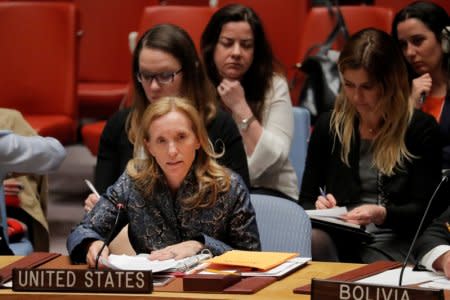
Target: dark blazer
(434, 235)
(116, 150)
(404, 194)
(444, 125)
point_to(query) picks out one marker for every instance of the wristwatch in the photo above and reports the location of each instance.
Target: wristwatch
(243, 124)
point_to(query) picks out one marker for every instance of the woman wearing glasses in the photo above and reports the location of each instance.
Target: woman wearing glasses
(165, 63)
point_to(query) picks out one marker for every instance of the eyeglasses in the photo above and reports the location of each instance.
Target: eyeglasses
(161, 78)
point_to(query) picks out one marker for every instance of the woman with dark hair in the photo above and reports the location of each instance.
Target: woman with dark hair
(422, 30)
(175, 187)
(165, 63)
(239, 61)
(374, 153)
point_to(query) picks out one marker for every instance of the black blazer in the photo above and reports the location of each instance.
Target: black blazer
(406, 193)
(434, 235)
(116, 150)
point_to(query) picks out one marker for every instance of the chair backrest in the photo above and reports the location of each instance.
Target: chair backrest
(299, 147)
(38, 57)
(399, 4)
(105, 24)
(283, 225)
(319, 24)
(193, 19)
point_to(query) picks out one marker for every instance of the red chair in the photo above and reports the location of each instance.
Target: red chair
(283, 22)
(38, 59)
(105, 57)
(399, 4)
(187, 2)
(319, 24)
(192, 18)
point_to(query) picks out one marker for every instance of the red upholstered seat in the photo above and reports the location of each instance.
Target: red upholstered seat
(91, 135)
(38, 61)
(105, 58)
(399, 4)
(319, 24)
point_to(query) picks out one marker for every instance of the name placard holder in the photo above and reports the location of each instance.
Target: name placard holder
(341, 290)
(84, 281)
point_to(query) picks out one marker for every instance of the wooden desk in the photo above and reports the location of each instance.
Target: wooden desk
(279, 290)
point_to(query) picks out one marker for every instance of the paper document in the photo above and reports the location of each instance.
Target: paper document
(278, 271)
(331, 215)
(142, 263)
(335, 212)
(391, 277)
(441, 283)
(253, 259)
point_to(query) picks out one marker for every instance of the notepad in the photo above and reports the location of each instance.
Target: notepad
(253, 259)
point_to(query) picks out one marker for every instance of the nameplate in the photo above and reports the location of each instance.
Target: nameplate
(99, 281)
(340, 290)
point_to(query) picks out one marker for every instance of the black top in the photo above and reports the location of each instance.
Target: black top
(116, 150)
(444, 125)
(405, 194)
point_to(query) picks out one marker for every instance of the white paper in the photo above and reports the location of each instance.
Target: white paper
(391, 277)
(442, 283)
(142, 263)
(335, 212)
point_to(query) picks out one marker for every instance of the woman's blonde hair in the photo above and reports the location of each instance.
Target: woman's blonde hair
(377, 53)
(211, 177)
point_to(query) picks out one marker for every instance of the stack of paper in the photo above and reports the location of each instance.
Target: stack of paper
(253, 264)
(142, 263)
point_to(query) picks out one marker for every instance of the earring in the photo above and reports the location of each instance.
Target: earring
(445, 39)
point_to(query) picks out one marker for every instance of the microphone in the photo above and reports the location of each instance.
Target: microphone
(422, 98)
(120, 207)
(445, 175)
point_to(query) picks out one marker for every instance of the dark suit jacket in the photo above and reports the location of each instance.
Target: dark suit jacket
(434, 235)
(116, 150)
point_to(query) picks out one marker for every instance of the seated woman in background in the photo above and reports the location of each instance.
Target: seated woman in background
(165, 63)
(185, 199)
(239, 61)
(423, 33)
(373, 153)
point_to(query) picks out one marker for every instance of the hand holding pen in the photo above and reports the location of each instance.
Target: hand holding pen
(93, 198)
(325, 200)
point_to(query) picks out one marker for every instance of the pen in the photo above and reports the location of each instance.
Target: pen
(92, 188)
(323, 191)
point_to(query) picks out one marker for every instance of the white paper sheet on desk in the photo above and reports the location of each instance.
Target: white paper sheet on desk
(442, 283)
(391, 277)
(142, 263)
(335, 212)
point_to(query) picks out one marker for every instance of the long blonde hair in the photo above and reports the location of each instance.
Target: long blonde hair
(211, 177)
(377, 53)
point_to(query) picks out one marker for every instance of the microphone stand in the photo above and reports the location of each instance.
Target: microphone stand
(108, 239)
(444, 178)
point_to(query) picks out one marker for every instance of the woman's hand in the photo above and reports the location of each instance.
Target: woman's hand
(233, 96)
(177, 251)
(90, 202)
(94, 249)
(366, 214)
(420, 85)
(324, 202)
